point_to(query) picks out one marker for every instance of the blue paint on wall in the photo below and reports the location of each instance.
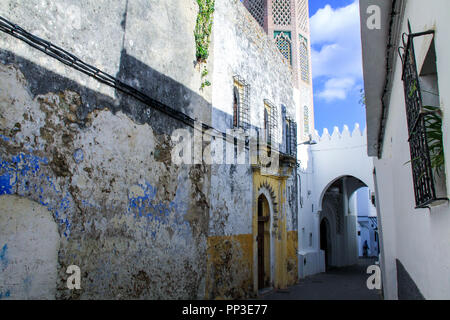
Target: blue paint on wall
(160, 213)
(18, 172)
(78, 156)
(20, 166)
(6, 295)
(23, 175)
(5, 184)
(4, 258)
(28, 164)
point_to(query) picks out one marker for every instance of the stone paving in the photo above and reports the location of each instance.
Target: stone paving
(347, 283)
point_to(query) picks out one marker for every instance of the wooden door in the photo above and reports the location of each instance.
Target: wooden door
(260, 245)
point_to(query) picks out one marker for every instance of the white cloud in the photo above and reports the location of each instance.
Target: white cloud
(336, 36)
(337, 89)
(331, 25)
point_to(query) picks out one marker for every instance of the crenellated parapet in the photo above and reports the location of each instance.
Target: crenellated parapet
(341, 138)
(338, 154)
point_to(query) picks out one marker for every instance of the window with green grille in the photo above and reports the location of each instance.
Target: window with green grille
(283, 42)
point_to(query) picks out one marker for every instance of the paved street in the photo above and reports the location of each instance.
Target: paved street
(338, 284)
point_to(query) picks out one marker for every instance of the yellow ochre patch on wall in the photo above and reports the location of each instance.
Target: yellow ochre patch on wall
(292, 257)
(229, 267)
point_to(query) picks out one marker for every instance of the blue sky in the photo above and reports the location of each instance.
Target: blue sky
(337, 70)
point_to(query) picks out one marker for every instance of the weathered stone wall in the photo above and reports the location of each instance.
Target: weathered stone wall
(138, 225)
(99, 161)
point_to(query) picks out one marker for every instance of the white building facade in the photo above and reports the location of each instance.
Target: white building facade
(332, 169)
(405, 51)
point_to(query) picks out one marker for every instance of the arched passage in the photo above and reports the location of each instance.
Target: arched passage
(334, 158)
(353, 184)
(338, 222)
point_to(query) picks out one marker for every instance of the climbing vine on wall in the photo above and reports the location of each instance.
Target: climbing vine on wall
(203, 28)
(203, 33)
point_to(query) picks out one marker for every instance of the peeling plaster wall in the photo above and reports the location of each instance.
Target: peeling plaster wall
(230, 267)
(100, 162)
(122, 208)
(231, 194)
(138, 225)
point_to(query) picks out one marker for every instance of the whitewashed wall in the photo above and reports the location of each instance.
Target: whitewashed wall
(343, 153)
(419, 238)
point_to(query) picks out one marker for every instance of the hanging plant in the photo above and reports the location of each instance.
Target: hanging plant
(435, 138)
(203, 29)
(202, 35)
(433, 125)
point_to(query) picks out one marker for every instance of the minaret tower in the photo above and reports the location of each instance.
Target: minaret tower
(287, 22)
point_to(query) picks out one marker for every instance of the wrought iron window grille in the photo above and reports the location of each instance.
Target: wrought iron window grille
(241, 116)
(291, 137)
(424, 176)
(272, 136)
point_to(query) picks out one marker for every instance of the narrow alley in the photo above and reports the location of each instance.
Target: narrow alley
(225, 150)
(348, 283)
